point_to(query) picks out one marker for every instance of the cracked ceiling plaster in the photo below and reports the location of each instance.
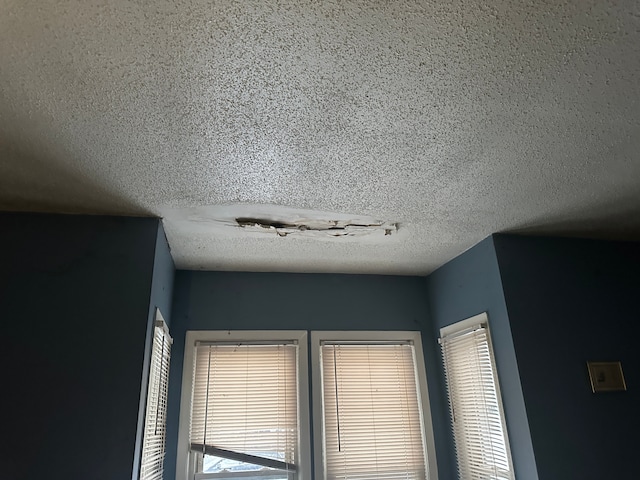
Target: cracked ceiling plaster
(452, 119)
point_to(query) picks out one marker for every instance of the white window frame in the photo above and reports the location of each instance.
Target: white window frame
(184, 470)
(317, 337)
(482, 320)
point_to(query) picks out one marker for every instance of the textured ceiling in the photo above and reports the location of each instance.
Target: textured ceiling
(449, 119)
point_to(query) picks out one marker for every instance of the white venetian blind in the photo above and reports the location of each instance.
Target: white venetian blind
(153, 445)
(373, 422)
(478, 425)
(245, 400)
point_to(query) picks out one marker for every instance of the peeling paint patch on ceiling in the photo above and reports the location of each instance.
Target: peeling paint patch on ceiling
(279, 221)
(308, 227)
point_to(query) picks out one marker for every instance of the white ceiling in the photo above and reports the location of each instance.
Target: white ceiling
(450, 120)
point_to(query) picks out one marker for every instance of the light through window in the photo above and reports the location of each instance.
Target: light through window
(245, 416)
(479, 430)
(373, 425)
(371, 412)
(153, 444)
(246, 406)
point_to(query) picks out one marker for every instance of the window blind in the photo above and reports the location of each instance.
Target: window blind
(478, 425)
(244, 403)
(372, 418)
(153, 444)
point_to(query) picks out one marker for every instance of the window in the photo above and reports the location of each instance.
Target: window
(371, 412)
(249, 407)
(245, 411)
(153, 444)
(479, 430)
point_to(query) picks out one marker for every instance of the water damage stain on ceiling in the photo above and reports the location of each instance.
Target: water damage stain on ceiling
(281, 221)
(307, 227)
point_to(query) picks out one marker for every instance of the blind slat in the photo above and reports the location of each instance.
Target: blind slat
(373, 423)
(477, 417)
(245, 399)
(154, 440)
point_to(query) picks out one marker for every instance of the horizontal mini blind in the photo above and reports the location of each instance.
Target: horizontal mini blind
(153, 445)
(245, 400)
(478, 425)
(372, 418)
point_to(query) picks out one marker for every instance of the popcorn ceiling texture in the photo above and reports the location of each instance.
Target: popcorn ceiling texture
(455, 119)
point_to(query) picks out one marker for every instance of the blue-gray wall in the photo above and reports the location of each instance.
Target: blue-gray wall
(466, 286)
(78, 294)
(255, 301)
(74, 298)
(570, 301)
(161, 298)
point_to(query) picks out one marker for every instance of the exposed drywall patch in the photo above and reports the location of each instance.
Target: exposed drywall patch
(307, 227)
(279, 221)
